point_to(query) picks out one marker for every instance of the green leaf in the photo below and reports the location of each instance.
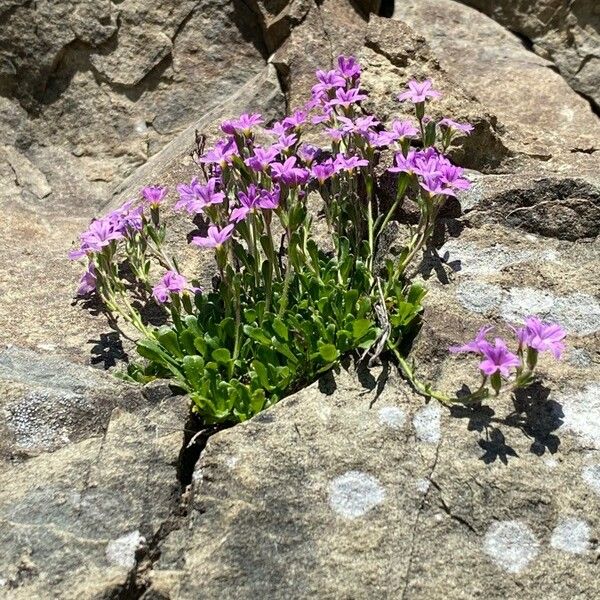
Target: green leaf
(193, 367)
(360, 327)
(168, 340)
(261, 372)
(328, 352)
(257, 334)
(221, 355)
(280, 328)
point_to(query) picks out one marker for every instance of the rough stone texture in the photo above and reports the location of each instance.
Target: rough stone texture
(354, 487)
(73, 523)
(567, 33)
(544, 124)
(108, 84)
(318, 498)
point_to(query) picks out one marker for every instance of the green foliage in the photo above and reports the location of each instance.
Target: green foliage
(234, 370)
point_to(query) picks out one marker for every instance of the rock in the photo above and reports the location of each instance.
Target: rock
(567, 33)
(109, 84)
(76, 523)
(553, 127)
(28, 176)
(317, 497)
(48, 402)
(560, 207)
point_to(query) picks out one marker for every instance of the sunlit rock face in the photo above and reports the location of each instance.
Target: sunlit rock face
(354, 487)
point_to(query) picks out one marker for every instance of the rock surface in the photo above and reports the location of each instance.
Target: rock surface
(327, 496)
(567, 33)
(354, 487)
(543, 123)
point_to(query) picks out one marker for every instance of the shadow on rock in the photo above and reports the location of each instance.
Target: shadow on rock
(107, 350)
(534, 415)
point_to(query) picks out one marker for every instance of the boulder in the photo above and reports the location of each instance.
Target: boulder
(566, 33)
(544, 123)
(355, 488)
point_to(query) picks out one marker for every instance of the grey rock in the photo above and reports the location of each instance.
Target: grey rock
(543, 121)
(567, 33)
(75, 523)
(290, 506)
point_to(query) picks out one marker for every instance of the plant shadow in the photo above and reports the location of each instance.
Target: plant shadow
(107, 350)
(534, 414)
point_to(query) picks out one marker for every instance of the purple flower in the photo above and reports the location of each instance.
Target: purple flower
(215, 238)
(269, 200)
(171, 283)
(221, 154)
(323, 171)
(419, 92)
(347, 98)
(348, 67)
(249, 201)
(308, 152)
(99, 234)
(195, 197)
(278, 129)
(262, 158)
(378, 139)
(327, 80)
(362, 125)
(288, 173)
(324, 116)
(403, 129)
(542, 336)
(452, 177)
(497, 359)
(243, 124)
(403, 164)
(296, 120)
(476, 345)
(348, 163)
(286, 141)
(154, 195)
(433, 183)
(87, 283)
(465, 128)
(335, 134)
(429, 162)
(126, 219)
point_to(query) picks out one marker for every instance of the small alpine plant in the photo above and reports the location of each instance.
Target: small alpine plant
(287, 303)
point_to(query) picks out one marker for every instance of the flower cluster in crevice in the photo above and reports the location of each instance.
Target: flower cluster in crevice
(287, 303)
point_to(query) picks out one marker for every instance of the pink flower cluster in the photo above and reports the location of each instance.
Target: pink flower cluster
(435, 173)
(535, 335)
(171, 283)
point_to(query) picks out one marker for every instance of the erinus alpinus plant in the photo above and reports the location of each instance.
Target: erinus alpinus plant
(283, 307)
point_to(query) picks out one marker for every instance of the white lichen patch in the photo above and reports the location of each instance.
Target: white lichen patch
(354, 493)
(392, 416)
(422, 486)
(591, 476)
(479, 297)
(579, 357)
(578, 313)
(121, 552)
(511, 545)
(582, 414)
(519, 303)
(427, 423)
(470, 259)
(571, 535)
